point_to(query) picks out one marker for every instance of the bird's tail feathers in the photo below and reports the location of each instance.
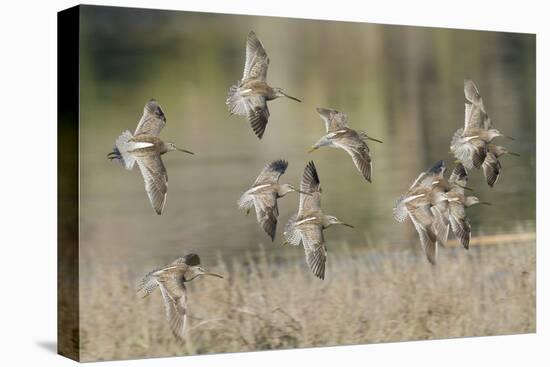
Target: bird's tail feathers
(292, 236)
(148, 284)
(245, 201)
(235, 102)
(121, 153)
(400, 210)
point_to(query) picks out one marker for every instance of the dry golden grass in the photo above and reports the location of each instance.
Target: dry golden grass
(368, 297)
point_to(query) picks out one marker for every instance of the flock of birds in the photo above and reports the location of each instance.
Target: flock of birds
(434, 204)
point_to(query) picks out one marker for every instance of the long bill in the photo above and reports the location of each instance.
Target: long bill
(485, 203)
(312, 149)
(185, 151)
(293, 98)
(465, 187)
(509, 137)
(213, 274)
(299, 191)
(373, 139)
(347, 225)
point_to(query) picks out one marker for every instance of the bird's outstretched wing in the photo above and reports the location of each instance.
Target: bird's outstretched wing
(310, 198)
(156, 179)
(360, 154)
(152, 121)
(440, 226)
(459, 223)
(491, 169)
(315, 249)
(422, 222)
(334, 120)
(475, 115)
(267, 212)
(479, 152)
(257, 60)
(271, 172)
(174, 296)
(257, 115)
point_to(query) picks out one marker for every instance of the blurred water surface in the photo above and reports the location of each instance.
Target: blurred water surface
(401, 84)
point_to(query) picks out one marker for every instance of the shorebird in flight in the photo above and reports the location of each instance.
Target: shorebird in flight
(264, 193)
(472, 145)
(339, 135)
(249, 98)
(171, 280)
(306, 227)
(144, 147)
(425, 203)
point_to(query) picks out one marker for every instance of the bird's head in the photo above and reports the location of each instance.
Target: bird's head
(330, 220)
(170, 147)
(278, 92)
(473, 200)
(495, 133)
(323, 142)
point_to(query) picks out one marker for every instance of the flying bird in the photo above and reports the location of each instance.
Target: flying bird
(171, 280)
(471, 145)
(249, 97)
(339, 135)
(264, 193)
(306, 227)
(425, 203)
(145, 148)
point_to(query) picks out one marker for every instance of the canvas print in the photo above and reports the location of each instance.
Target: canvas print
(203, 209)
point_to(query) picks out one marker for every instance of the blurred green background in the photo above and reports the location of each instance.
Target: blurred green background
(401, 84)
